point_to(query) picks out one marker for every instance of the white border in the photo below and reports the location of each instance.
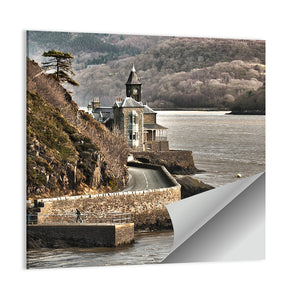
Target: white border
(274, 278)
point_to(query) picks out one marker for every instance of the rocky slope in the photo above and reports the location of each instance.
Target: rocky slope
(67, 151)
(191, 186)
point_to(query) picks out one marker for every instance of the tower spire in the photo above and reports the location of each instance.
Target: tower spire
(133, 85)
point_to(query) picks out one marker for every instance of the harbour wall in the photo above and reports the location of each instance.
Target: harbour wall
(79, 235)
(147, 208)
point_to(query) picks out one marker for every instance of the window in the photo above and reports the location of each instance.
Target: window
(133, 118)
(133, 136)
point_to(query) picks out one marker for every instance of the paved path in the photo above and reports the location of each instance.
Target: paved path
(144, 179)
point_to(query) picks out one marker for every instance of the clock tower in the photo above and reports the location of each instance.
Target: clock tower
(134, 86)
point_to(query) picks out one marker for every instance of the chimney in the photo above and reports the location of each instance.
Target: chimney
(95, 103)
(89, 108)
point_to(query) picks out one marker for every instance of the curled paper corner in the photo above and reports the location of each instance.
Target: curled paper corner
(223, 224)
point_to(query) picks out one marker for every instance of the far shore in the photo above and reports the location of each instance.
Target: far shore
(247, 112)
(190, 109)
(227, 111)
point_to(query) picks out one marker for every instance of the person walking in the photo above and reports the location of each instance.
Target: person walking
(78, 213)
(28, 217)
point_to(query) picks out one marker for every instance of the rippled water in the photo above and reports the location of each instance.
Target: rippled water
(149, 247)
(223, 145)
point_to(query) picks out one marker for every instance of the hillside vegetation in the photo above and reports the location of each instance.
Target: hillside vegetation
(88, 48)
(181, 72)
(252, 102)
(176, 72)
(68, 152)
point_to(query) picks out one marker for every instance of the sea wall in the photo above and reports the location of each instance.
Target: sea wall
(147, 208)
(79, 235)
(180, 162)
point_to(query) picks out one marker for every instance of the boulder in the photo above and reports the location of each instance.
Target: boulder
(191, 186)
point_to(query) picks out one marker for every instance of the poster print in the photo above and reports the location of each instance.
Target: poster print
(137, 145)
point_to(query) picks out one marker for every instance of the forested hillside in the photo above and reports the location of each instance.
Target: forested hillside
(88, 48)
(175, 72)
(252, 102)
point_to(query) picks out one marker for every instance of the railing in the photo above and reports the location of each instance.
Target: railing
(161, 138)
(158, 139)
(90, 218)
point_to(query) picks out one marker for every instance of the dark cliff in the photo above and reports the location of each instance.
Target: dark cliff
(68, 152)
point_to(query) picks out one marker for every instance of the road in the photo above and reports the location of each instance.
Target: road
(144, 179)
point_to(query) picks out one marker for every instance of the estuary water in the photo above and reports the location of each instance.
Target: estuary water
(148, 248)
(222, 145)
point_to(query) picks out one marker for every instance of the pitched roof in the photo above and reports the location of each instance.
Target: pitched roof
(154, 127)
(148, 110)
(105, 112)
(129, 102)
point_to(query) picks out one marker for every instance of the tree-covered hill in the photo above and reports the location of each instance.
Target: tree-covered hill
(88, 48)
(175, 71)
(181, 72)
(179, 54)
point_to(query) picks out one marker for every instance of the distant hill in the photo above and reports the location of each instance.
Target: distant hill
(175, 71)
(68, 152)
(181, 72)
(88, 48)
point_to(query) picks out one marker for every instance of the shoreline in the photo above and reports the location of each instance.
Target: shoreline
(248, 113)
(226, 111)
(190, 109)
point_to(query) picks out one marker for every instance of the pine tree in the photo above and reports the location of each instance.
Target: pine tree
(61, 62)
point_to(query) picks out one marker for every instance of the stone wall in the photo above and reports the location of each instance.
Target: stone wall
(124, 234)
(79, 235)
(147, 207)
(149, 118)
(157, 145)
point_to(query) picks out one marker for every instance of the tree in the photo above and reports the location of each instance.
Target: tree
(61, 62)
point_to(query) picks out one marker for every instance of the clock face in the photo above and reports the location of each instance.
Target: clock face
(134, 91)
